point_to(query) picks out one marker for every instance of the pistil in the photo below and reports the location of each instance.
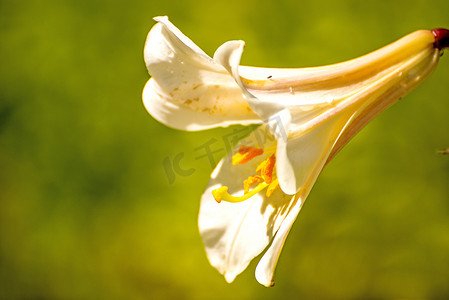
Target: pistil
(221, 194)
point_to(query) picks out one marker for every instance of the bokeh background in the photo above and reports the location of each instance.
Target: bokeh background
(89, 208)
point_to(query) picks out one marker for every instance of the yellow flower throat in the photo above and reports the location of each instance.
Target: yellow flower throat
(266, 179)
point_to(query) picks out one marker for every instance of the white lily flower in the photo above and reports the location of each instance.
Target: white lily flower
(309, 114)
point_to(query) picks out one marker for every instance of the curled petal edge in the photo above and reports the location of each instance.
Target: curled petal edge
(188, 89)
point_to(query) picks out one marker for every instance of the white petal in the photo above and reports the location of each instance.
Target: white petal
(229, 55)
(300, 159)
(332, 83)
(234, 233)
(303, 155)
(299, 162)
(188, 90)
(267, 264)
(322, 100)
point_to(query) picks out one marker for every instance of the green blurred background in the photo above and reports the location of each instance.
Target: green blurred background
(86, 207)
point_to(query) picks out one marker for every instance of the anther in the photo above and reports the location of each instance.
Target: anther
(251, 181)
(273, 185)
(266, 179)
(266, 168)
(245, 154)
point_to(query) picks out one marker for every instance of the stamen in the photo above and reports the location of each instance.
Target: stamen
(221, 194)
(266, 179)
(273, 185)
(245, 154)
(266, 168)
(250, 181)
